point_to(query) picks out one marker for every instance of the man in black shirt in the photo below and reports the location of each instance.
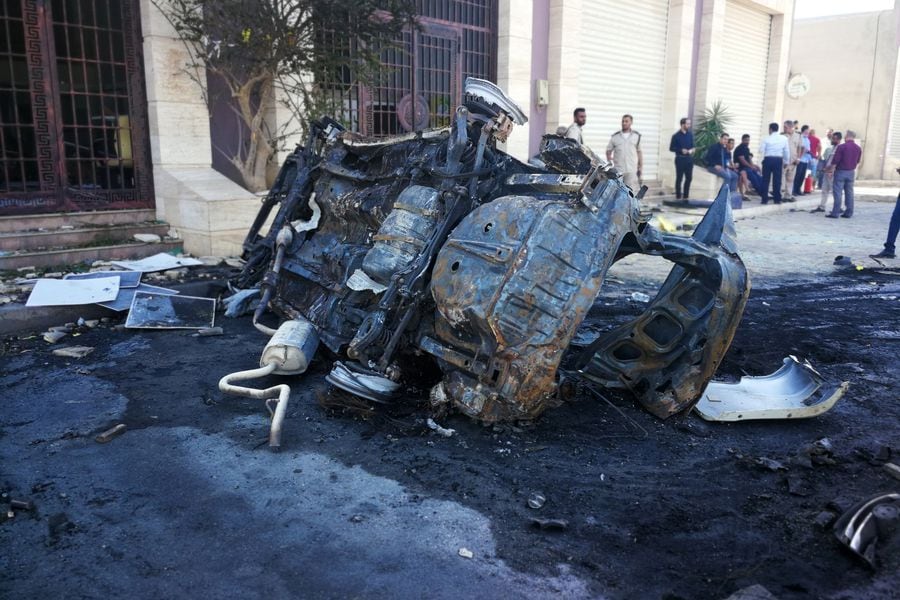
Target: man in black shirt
(749, 172)
(682, 145)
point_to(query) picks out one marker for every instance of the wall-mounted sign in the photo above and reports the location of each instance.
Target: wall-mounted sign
(797, 86)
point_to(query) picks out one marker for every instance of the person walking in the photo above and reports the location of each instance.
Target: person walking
(890, 246)
(574, 131)
(804, 152)
(844, 162)
(827, 178)
(718, 162)
(775, 153)
(682, 145)
(624, 150)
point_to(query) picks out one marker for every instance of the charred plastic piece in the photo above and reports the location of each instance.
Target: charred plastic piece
(437, 246)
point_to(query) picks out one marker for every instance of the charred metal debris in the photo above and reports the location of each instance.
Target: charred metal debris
(436, 244)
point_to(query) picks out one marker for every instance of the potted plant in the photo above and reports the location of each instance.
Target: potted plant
(708, 128)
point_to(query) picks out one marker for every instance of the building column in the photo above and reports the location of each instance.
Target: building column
(514, 67)
(564, 61)
(779, 63)
(712, 55)
(678, 78)
(210, 212)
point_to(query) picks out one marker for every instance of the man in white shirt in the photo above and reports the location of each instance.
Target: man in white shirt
(624, 149)
(776, 154)
(574, 130)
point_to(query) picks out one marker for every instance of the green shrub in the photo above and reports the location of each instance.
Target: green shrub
(708, 128)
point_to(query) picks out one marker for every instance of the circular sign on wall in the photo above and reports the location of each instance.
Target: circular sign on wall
(797, 85)
(408, 120)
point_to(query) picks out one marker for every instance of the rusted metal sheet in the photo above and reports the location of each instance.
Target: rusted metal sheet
(438, 245)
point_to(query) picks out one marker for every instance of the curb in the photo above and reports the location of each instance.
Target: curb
(750, 210)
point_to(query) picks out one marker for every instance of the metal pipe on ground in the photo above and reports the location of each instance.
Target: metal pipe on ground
(289, 352)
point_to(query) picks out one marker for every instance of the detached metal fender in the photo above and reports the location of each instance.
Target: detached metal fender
(667, 356)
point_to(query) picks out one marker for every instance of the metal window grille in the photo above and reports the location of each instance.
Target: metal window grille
(420, 80)
(73, 132)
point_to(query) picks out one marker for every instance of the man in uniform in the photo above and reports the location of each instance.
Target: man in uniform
(624, 150)
(574, 130)
(795, 146)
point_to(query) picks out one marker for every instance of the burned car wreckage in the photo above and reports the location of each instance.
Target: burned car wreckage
(438, 244)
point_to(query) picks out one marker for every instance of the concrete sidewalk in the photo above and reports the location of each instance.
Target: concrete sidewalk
(678, 217)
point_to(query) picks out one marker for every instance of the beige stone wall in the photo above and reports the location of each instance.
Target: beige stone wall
(514, 66)
(564, 60)
(851, 62)
(209, 211)
(676, 88)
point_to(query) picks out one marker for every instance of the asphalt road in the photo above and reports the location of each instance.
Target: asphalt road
(188, 501)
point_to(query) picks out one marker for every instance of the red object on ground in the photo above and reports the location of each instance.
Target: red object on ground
(808, 184)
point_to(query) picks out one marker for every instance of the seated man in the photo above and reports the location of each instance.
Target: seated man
(718, 162)
(750, 174)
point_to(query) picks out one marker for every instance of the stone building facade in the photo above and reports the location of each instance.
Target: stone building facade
(142, 136)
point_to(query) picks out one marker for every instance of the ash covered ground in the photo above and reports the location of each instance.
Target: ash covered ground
(372, 503)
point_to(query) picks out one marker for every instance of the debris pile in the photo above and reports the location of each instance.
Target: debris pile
(119, 286)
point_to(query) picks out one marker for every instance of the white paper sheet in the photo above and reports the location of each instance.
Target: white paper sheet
(157, 262)
(65, 292)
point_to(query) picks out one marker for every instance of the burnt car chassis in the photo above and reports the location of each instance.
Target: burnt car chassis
(438, 244)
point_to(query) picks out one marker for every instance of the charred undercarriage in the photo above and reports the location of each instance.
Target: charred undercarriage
(437, 244)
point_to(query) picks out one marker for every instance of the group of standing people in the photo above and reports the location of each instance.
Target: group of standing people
(797, 152)
(788, 157)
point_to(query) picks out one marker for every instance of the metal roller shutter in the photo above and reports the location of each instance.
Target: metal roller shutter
(742, 80)
(894, 131)
(623, 61)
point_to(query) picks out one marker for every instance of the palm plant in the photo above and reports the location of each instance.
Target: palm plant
(708, 128)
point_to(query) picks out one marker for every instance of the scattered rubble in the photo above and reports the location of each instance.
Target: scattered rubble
(54, 336)
(438, 429)
(549, 524)
(753, 592)
(892, 470)
(872, 524)
(68, 292)
(158, 262)
(110, 434)
(73, 351)
(147, 238)
(150, 310)
(536, 500)
(785, 394)
(209, 332)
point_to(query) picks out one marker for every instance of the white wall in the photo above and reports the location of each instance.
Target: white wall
(851, 62)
